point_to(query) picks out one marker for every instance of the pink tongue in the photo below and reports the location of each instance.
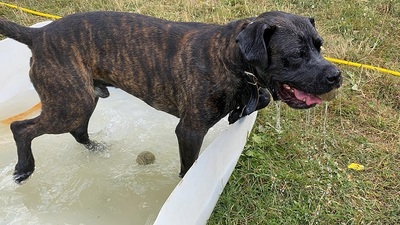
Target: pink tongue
(310, 98)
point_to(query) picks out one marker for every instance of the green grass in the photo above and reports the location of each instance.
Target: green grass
(299, 175)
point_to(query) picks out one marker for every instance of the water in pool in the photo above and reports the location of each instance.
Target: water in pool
(74, 186)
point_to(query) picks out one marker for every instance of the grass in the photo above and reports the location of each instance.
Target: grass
(299, 175)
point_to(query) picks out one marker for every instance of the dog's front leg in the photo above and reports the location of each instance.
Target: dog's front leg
(190, 137)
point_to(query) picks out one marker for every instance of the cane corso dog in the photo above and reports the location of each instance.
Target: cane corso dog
(195, 71)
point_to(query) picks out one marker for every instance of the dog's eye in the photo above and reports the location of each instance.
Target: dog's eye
(317, 44)
(293, 61)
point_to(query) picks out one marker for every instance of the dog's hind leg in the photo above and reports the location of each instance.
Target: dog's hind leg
(81, 133)
(52, 120)
(81, 136)
(24, 132)
(65, 108)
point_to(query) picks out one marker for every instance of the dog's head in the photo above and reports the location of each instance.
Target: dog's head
(284, 52)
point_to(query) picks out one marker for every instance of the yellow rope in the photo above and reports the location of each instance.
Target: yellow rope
(31, 11)
(344, 62)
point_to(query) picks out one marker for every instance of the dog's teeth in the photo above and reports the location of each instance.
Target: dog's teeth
(287, 87)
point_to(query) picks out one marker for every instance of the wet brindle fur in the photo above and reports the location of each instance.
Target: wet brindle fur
(197, 72)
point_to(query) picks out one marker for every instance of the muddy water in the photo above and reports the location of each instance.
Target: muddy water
(74, 186)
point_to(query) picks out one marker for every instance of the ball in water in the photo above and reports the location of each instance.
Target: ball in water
(145, 158)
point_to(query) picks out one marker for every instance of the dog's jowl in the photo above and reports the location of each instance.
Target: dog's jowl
(197, 72)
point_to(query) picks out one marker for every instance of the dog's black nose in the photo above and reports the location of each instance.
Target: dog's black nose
(334, 78)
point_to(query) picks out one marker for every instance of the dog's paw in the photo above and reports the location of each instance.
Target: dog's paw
(95, 147)
(19, 178)
(23, 169)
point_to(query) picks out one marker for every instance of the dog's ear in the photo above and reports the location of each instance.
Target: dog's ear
(253, 42)
(312, 20)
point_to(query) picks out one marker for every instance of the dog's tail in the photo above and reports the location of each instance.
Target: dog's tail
(17, 32)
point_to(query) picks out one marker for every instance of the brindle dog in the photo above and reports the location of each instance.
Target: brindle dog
(197, 72)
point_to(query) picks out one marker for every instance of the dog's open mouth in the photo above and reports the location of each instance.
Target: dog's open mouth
(296, 98)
